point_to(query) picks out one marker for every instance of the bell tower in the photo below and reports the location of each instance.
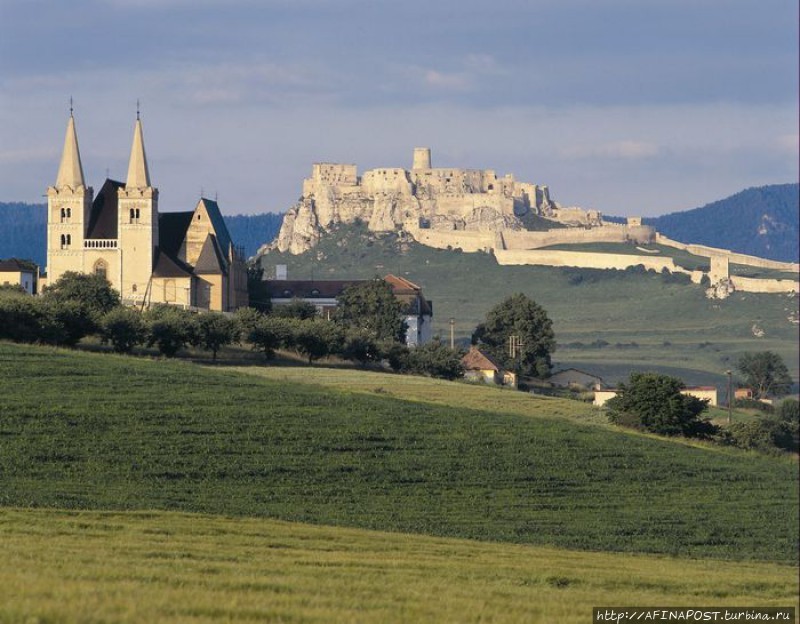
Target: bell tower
(137, 221)
(69, 203)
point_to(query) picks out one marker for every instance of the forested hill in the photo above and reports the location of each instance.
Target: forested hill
(760, 221)
(23, 231)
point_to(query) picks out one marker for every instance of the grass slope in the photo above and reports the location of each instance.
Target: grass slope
(648, 320)
(88, 431)
(67, 567)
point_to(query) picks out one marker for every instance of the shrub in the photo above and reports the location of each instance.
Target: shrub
(435, 359)
(215, 330)
(124, 328)
(170, 329)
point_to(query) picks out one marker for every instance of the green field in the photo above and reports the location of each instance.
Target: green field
(649, 321)
(91, 431)
(65, 567)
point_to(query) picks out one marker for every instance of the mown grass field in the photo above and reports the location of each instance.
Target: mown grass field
(93, 431)
(77, 566)
(649, 321)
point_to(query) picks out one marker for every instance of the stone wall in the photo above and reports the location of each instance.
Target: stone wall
(609, 233)
(733, 257)
(584, 260)
(766, 286)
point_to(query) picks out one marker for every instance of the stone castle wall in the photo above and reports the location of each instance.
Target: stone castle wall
(733, 257)
(767, 286)
(585, 260)
(608, 233)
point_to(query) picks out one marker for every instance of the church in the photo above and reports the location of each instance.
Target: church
(180, 258)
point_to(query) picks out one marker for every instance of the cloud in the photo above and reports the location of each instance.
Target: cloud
(625, 149)
(447, 81)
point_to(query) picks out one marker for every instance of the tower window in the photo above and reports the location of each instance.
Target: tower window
(63, 241)
(134, 215)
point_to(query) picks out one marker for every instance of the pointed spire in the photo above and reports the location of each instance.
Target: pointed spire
(70, 171)
(138, 174)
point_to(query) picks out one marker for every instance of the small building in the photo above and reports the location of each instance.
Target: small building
(323, 294)
(743, 393)
(482, 367)
(574, 378)
(709, 393)
(15, 272)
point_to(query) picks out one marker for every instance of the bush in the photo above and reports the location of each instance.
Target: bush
(315, 339)
(170, 329)
(360, 346)
(653, 402)
(124, 328)
(767, 434)
(753, 404)
(268, 333)
(435, 359)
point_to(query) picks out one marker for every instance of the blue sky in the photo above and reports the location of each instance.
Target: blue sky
(624, 106)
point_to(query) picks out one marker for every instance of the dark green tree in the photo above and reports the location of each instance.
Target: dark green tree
(296, 309)
(372, 306)
(215, 330)
(170, 329)
(94, 292)
(256, 290)
(360, 346)
(124, 328)
(654, 402)
(316, 338)
(528, 322)
(435, 359)
(269, 333)
(766, 373)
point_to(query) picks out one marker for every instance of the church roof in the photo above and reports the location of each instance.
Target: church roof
(70, 170)
(103, 217)
(172, 228)
(138, 173)
(210, 259)
(166, 266)
(220, 229)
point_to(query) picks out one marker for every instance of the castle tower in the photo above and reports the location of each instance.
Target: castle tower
(137, 221)
(422, 158)
(69, 204)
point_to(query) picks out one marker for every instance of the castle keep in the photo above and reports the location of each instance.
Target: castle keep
(180, 258)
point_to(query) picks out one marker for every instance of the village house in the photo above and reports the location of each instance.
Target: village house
(482, 367)
(574, 378)
(709, 393)
(179, 258)
(15, 272)
(323, 294)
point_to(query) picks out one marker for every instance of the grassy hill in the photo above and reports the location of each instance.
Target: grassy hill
(609, 322)
(103, 432)
(172, 567)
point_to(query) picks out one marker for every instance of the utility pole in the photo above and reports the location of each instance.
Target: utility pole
(730, 395)
(452, 334)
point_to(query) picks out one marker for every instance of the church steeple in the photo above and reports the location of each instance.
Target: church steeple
(70, 171)
(138, 173)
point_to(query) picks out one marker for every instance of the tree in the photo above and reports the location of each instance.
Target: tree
(316, 338)
(360, 346)
(215, 330)
(170, 329)
(654, 403)
(523, 318)
(268, 333)
(124, 328)
(296, 309)
(766, 373)
(436, 359)
(256, 291)
(92, 291)
(372, 306)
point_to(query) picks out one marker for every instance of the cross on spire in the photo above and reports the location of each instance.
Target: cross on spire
(137, 109)
(70, 106)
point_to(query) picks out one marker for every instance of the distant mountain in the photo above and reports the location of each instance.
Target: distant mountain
(23, 231)
(252, 231)
(760, 221)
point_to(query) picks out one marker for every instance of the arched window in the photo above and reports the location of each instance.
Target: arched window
(63, 242)
(69, 239)
(69, 213)
(101, 268)
(137, 215)
(63, 215)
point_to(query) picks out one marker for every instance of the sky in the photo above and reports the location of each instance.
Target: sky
(629, 107)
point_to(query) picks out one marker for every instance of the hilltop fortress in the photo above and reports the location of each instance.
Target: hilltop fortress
(476, 210)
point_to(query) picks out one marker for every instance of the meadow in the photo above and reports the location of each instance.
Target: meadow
(98, 431)
(88, 567)
(646, 320)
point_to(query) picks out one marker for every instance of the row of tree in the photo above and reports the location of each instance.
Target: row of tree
(78, 305)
